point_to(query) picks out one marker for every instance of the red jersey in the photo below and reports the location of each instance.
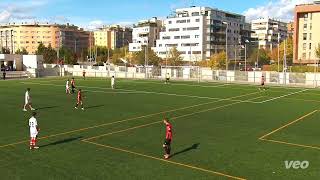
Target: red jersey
(73, 83)
(79, 96)
(169, 131)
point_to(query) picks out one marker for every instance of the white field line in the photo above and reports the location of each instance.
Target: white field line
(290, 94)
(191, 85)
(127, 91)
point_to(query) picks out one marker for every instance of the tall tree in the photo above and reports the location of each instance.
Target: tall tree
(49, 54)
(218, 61)
(260, 56)
(318, 51)
(289, 52)
(22, 52)
(140, 57)
(67, 55)
(5, 50)
(175, 58)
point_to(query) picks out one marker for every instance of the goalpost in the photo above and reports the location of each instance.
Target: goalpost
(181, 72)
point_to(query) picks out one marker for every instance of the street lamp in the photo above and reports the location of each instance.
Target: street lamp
(245, 54)
(226, 44)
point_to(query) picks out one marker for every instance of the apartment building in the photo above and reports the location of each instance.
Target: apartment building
(145, 34)
(200, 32)
(28, 36)
(269, 32)
(113, 36)
(306, 36)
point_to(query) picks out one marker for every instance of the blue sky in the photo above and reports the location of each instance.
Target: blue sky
(95, 12)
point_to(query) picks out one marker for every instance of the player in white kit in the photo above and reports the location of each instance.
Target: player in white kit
(27, 101)
(68, 87)
(112, 82)
(34, 129)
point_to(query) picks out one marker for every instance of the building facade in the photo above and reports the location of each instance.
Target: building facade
(113, 36)
(306, 36)
(269, 32)
(145, 34)
(29, 36)
(200, 32)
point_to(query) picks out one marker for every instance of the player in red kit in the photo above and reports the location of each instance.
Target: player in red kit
(167, 142)
(73, 85)
(79, 100)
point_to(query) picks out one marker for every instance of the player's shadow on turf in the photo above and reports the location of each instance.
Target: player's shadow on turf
(62, 141)
(97, 106)
(48, 107)
(193, 147)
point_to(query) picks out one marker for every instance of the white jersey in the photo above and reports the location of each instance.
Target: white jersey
(112, 81)
(33, 127)
(27, 97)
(67, 84)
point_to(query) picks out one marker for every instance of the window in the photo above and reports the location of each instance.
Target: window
(195, 14)
(304, 46)
(181, 21)
(177, 37)
(166, 37)
(188, 20)
(196, 52)
(310, 46)
(305, 27)
(174, 29)
(305, 16)
(160, 45)
(197, 20)
(172, 45)
(170, 22)
(197, 36)
(310, 36)
(304, 36)
(192, 28)
(185, 37)
(182, 52)
(310, 26)
(304, 55)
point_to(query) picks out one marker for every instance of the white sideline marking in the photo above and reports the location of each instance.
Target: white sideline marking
(275, 98)
(129, 91)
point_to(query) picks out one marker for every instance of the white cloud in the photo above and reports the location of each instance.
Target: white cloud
(18, 11)
(280, 9)
(95, 24)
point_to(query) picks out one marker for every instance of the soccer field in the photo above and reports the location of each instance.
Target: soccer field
(221, 131)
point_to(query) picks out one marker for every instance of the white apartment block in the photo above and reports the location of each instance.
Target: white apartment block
(199, 32)
(269, 32)
(145, 34)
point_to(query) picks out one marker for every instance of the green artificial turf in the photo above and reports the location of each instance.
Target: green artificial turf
(120, 134)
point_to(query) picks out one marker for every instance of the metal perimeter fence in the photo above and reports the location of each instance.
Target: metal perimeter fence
(185, 73)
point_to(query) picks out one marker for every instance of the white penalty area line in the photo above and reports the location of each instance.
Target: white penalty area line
(131, 91)
(283, 96)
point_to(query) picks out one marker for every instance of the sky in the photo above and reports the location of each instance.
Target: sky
(90, 14)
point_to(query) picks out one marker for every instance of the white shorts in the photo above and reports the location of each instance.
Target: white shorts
(33, 133)
(27, 102)
(67, 87)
